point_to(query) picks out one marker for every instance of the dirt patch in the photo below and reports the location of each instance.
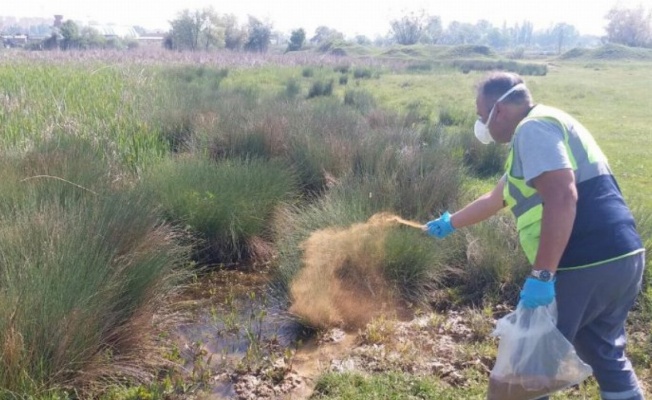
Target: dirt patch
(297, 375)
(429, 345)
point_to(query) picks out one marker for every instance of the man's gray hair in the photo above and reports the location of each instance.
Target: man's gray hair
(496, 84)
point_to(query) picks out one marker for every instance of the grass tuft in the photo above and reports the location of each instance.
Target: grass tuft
(78, 268)
(224, 203)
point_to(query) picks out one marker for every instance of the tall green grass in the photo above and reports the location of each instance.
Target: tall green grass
(82, 270)
(108, 104)
(417, 175)
(223, 203)
(316, 138)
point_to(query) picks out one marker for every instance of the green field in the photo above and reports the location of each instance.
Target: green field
(121, 179)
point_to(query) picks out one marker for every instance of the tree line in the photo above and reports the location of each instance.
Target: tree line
(206, 30)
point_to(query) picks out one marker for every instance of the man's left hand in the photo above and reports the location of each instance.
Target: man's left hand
(537, 293)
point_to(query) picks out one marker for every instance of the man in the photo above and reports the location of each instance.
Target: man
(572, 221)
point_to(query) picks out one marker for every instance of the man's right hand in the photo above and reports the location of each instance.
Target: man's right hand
(440, 227)
(537, 293)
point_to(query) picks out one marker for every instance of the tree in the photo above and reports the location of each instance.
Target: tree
(460, 33)
(631, 27)
(212, 34)
(362, 40)
(70, 35)
(324, 34)
(235, 36)
(194, 29)
(297, 39)
(408, 29)
(382, 41)
(523, 35)
(432, 30)
(90, 38)
(185, 30)
(259, 36)
(53, 41)
(497, 38)
(562, 34)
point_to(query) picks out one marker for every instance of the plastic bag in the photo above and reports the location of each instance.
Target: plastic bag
(534, 358)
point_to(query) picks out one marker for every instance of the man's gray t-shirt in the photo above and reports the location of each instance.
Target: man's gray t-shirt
(538, 148)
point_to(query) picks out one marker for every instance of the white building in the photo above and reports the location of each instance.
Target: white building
(116, 31)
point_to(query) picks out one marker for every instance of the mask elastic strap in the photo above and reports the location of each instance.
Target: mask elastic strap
(510, 91)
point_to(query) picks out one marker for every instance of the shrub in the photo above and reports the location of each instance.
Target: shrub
(224, 203)
(512, 66)
(470, 50)
(320, 88)
(199, 84)
(449, 116)
(342, 68)
(297, 39)
(90, 270)
(416, 264)
(229, 126)
(390, 172)
(292, 88)
(177, 129)
(69, 167)
(361, 100)
(423, 66)
(362, 73)
(315, 137)
(294, 224)
(83, 271)
(409, 179)
(190, 92)
(492, 266)
(482, 160)
(308, 72)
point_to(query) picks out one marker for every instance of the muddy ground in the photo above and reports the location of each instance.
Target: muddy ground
(284, 363)
(287, 363)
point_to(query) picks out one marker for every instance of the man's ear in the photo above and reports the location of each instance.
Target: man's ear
(498, 111)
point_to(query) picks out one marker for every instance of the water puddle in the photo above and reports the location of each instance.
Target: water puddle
(233, 319)
(240, 341)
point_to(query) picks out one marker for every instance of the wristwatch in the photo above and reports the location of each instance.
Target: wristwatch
(543, 275)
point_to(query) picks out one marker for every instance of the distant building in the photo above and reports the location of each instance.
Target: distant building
(28, 31)
(14, 40)
(116, 31)
(151, 40)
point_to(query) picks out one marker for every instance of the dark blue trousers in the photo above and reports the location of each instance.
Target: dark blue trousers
(593, 304)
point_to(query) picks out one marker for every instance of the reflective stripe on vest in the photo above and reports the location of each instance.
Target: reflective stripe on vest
(583, 173)
(587, 161)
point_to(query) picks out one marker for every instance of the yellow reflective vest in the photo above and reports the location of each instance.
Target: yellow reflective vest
(601, 208)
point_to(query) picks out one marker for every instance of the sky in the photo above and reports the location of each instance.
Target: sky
(351, 17)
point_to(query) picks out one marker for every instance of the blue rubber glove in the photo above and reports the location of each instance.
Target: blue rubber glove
(537, 293)
(440, 227)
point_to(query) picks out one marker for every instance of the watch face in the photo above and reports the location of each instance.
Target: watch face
(542, 275)
(545, 275)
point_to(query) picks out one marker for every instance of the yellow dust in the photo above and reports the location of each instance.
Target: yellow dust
(342, 282)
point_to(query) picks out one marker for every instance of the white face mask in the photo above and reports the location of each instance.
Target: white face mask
(480, 129)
